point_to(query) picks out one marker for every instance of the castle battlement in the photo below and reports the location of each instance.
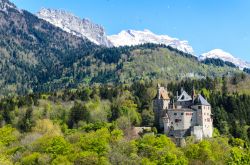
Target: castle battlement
(186, 116)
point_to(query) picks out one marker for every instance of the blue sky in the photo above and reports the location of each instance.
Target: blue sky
(206, 24)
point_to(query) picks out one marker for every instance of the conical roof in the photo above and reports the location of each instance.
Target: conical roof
(200, 100)
(162, 93)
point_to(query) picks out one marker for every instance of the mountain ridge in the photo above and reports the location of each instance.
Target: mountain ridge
(76, 26)
(136, 37)
(96, 34)
(225, 56)
(38, 56)
(6, 4)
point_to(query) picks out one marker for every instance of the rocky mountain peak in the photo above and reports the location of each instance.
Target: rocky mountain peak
(5, 5)
(75, 25)
(225, 56)
(136, 37)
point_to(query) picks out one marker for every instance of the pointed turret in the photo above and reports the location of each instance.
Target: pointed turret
(161, 104)
(162, 93)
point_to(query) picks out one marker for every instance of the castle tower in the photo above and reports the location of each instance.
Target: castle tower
(204, 116)
(160, 105)
(189, 115)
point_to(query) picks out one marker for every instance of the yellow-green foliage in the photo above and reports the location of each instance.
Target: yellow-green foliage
(47, 127)
(4, 159)
(208, 151)
(105, 146)
(53, 145)
(104, 118)
(8, 135)
(97, 142)
(160, 150)
(31, 159)
(61, 160)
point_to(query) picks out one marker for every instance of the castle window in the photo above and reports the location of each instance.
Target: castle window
(199, 107)
(177, 120)
(175, 113)
(181, 113)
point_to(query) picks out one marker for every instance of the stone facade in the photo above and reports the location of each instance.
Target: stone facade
(183, 116)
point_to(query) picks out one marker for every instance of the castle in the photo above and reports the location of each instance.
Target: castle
(186, 116)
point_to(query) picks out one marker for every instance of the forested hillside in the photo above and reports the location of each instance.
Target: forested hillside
(94, 125)
(43, 70)
(37, 56)
(33, 51)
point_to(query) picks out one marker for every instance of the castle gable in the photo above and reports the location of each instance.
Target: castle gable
(184, 97)
(162, 93)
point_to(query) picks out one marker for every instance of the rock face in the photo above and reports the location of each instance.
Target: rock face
(133, 37)
(5, 5)
(96, 34)
(225, 56)
(76, 26)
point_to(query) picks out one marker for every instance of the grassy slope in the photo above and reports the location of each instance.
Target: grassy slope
(164, 64)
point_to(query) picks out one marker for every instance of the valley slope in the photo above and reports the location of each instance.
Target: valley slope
(33, 51)
(38, 56)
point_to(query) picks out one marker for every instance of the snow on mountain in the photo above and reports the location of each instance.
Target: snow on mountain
(76, 26)
(133, 37)
(96, 34)
(225, 56)
(5, 5)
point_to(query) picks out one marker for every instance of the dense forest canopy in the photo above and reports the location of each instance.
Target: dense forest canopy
(218, 62)
(94, 125)
(105, 65)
